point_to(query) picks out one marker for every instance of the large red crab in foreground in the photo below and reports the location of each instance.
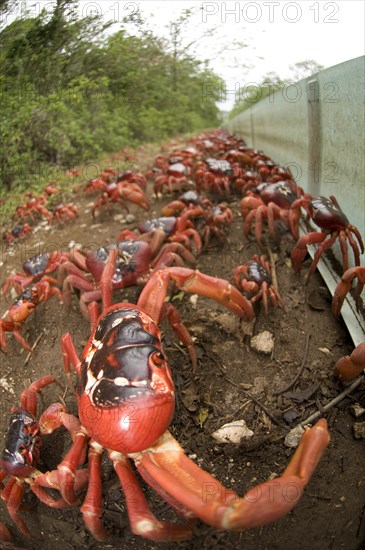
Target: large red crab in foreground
(126, 402)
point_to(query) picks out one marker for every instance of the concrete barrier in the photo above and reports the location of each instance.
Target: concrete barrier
(317, 127)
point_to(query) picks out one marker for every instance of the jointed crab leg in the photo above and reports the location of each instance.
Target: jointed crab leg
(167, 468)
(155, 291)
(142, 521)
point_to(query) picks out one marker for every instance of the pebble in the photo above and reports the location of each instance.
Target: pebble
(357, 410)
(263, 342)
(130, 218)
(293, 437)
(193, 300)
(359, 430)
(5, 384)
(74, 244)
(326, 351)
(119, 218)
(233, 432)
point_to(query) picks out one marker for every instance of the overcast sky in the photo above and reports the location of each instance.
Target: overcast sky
(276, 33)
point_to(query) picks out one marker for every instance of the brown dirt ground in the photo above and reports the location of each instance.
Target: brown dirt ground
(330, 513)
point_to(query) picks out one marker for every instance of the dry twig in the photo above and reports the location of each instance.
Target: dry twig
(299, 373)
(333, 402)
(33, 348)
(273, 269)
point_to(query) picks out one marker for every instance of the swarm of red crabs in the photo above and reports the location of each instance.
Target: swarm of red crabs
(123, 376)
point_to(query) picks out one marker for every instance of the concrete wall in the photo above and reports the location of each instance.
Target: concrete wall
(316, 126)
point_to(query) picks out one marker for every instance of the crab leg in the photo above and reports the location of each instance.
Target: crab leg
(351, 365)
(299, 251)
(106, 282)
(44, 497)
(188, 280)
(28, 399)
(345, 285)
(92, 506)
(12, 495)
(172, 314)
(142, 521)
(174, 473)
(67, 468)
(78, 281)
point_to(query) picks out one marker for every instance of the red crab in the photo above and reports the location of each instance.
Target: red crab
(50, 189)
(350, 366)
(36, 268)
(216, 218)
(63, 212)
(128, 187)
(22, 450)
(21, 308)
(167, 228)
(255, 280)
(244, 156)
(344, 286)
(214, 175)
(124, 381)
(327, 214)
(136, 260)
(274, 202)
(35, 205)
(176, 174)
(18, 232)
(189, 201)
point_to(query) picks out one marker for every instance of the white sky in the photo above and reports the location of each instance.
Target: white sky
(277, 33)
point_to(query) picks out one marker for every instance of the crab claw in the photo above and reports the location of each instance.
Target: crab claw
(350, 366)
(170, 472)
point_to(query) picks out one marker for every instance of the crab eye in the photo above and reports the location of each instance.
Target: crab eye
(158, 359)
(22, 450)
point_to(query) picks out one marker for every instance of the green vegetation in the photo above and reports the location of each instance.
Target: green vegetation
(71, 92)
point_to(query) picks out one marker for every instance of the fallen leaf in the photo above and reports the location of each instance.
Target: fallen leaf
(202, 416)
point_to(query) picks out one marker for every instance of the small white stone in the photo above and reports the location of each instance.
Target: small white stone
(5, 384)
(233, 432)
(130, 218)
(74, 244)
(359, 430)
(326, 351)
(119, 218)
(293, 437)
(263, 342)
(357, 410)
(193, 300)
